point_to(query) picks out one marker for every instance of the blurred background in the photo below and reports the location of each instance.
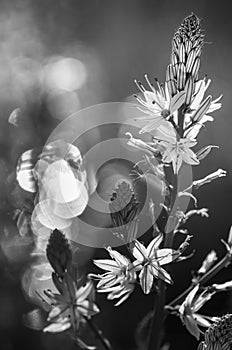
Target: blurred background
(60, 56)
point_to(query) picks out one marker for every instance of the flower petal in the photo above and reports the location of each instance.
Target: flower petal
(119, 258)
(160, 273)
(177, 101)
(107, 264)
(146, 279)
(83, 292)
(139, 251)
(86, 308)
(191, 325)
(201, 320)
(59, 326)
(154, 124)
(154, 245)
(166, 255)
(190, 157)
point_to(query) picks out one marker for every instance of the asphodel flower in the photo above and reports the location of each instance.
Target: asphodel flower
(71, 306)
(120, 276)
(219, 335)
(189, 311)
(179, 151)
(151, 260)
(159, 105)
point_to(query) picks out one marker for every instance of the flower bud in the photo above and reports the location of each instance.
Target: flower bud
(124, 206)
(219, 335)
(58, 252)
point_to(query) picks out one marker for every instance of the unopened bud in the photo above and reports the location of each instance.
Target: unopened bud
(58, 252)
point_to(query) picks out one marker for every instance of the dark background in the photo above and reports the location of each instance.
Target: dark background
(117, 41)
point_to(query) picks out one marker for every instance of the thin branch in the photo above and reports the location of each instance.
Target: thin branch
(226, 260)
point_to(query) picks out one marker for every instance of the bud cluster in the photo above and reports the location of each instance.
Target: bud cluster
(58, 252)
(187, 43)
(124, 208)
(219, 335)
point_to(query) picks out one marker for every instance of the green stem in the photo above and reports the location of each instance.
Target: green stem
(226, 260)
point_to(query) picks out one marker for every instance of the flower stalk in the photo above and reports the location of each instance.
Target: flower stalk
(181, 76)
(158, 317)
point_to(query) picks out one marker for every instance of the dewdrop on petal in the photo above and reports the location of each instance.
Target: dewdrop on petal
(60, 183)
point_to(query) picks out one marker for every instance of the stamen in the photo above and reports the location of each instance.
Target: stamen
(149, 83)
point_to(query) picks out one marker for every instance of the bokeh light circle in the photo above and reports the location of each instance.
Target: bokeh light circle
(96, 131)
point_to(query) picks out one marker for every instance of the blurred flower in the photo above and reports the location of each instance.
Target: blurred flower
(223, 287)
(188, 311)
(230, 237)
(71, 306)
(219, 335)
(151, 259)
(24, 171)
(57, 177)
(207, 262)
(119, 279)
(160, 106)
(228, 245)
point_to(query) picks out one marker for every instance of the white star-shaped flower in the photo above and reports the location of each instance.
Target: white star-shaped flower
(151, 260)
(178, 151)
(159, 105)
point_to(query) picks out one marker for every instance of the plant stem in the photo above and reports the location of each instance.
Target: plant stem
(224, 262)
(156, 327)
(157, 319)
(154, 341)
(106, 345)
